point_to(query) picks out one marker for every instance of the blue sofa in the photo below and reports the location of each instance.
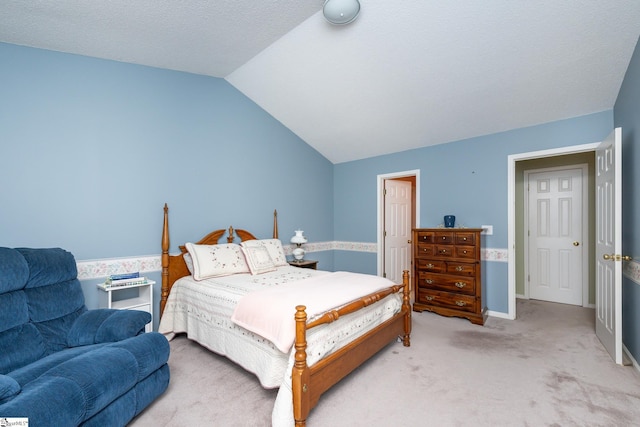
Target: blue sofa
(64, 365)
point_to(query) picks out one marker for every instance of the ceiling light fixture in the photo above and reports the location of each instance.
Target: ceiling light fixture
(341, 12)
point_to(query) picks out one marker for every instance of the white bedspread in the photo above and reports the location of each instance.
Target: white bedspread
(270, 312)
(203, 310)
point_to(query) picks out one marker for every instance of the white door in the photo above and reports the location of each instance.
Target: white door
(609, 244)
(556, 236)
(397, 228)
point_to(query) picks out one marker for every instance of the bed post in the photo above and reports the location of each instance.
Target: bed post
(164, 294)
(300, 373)
(275, 224)
(406, 307)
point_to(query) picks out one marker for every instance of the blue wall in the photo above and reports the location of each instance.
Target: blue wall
(92, 149)
(467, 178)
(627, 116)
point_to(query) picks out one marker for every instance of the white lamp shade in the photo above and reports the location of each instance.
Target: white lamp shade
(341, 12)
(299, 239)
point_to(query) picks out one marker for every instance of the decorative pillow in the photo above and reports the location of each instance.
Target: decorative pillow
(216, 260)
(274, 247)
(258, 259)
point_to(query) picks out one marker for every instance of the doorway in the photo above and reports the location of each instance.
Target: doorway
(556, 232)
(517, 164)
(398, 214)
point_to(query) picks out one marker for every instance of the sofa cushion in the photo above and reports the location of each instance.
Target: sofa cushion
(14, 310)
(103, 375)
(20, 346)
(8, 388)
(14, 270)
(54, 332)
(54, 300)
(54, 401)
(87, 383)
(54, 320)
(30, 372)
(48, 266)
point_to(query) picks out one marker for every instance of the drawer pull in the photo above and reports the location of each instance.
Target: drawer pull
(430, 265)
(460, 285)
(461, 303)
(464, 238)
(443, 251)
(424, 237)
(459, 268)
(464, 252)
(429, 298)
(429, 281)
(444, 238)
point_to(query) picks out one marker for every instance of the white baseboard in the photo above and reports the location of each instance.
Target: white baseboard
(634, 362)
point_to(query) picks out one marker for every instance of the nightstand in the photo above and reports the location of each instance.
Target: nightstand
(305, 263)
(131, 297)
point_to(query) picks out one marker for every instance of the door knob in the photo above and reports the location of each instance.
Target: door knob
(576, 243)
(614, 257)
(409, 241)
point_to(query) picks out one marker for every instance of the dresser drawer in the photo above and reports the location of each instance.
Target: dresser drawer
(444, 250)
(461, 268)
(431, 265)
(425, 251)
(446, 299)
(444, 237)
(424, 237)
(443, 282)
(465, 252)
(463, 238)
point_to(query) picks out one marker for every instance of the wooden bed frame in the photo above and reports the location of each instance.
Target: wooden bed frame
(308, 383)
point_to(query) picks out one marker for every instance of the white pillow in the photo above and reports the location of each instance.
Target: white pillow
(274, 247)
(258, 259)
(216, 260)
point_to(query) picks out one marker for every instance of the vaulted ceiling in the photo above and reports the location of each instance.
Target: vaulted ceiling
(405, 74)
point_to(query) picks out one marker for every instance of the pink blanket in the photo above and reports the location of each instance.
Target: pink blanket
(270, 312)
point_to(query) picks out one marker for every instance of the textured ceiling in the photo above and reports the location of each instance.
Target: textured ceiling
(405, 74)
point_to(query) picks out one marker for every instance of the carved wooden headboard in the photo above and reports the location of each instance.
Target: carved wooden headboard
(175, 267)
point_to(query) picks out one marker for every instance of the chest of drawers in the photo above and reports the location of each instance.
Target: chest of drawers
(447, 272)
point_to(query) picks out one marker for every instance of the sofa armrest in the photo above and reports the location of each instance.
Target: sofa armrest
(106, 325)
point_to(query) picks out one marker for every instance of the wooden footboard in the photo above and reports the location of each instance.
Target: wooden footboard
(308, 383)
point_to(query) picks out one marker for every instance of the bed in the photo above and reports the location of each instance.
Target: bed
(325, 344)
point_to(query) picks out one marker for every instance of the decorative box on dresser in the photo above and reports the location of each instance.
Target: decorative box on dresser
(447, 270)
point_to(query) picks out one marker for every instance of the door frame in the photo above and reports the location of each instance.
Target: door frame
(380, 225)
(511, 209)
(584, 167)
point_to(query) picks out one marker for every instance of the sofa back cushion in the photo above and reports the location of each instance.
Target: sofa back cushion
(40, 297)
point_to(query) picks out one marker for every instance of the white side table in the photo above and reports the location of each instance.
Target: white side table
(143, 301)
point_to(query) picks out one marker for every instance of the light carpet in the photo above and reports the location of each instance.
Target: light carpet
(546, 368)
